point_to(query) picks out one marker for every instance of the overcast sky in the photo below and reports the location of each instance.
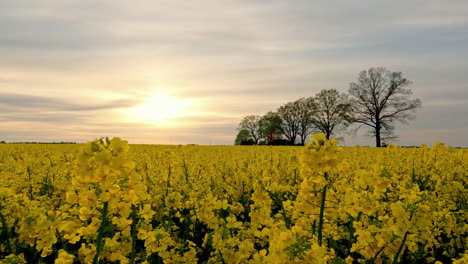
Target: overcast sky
(80, 70)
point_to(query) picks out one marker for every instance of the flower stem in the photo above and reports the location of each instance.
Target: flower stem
(134, 233)
(101, 232)
(5, 230)
(322, 209)
(397, 254)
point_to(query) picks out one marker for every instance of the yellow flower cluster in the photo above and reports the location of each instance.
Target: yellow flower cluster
(107, 202)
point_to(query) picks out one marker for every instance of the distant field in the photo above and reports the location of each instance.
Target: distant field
(107, 202)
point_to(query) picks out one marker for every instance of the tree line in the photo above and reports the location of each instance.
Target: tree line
(376, 100)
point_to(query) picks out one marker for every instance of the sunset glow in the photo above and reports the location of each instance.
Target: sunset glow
(185, 72)
(159, 109)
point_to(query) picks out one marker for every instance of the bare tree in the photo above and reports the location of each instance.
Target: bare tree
(251, 123)
(305, 107)
(289, 122)
(380, 99)
(296, 120)
(331, 112)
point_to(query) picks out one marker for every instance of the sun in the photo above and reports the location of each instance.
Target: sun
(159, 109)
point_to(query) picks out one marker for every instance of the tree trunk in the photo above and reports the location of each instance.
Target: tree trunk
(256, 140)
(271, 137)
(293, 141)
(378, 142)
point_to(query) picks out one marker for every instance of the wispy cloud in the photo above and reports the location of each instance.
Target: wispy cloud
(11, 103)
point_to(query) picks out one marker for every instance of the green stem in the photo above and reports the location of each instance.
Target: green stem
(31, 196)
(313, 226)
(287, 220)
(186, 172)
(168, 183)
(376, 255)
(101, 232)
(134, 234)
(5, 230)
(397, 254)
(322, 209)
(295, 177)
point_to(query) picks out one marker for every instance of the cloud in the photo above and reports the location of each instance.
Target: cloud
(20, 102)
(70, 64)
(53, 113)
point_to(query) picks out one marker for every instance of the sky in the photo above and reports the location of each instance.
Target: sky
(186, 72)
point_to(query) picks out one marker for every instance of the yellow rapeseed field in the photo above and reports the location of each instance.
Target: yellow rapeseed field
(110, 202)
